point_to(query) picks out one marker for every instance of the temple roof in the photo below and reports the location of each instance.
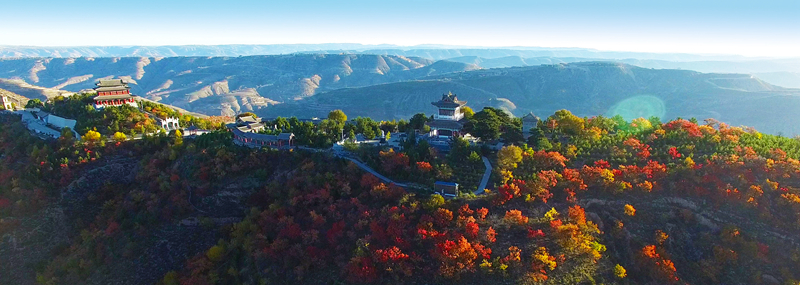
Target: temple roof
(449, 100)
(446, 124)
(110, 82)
(111, 88)
(246, 119)
(257, 136)
(530, 117)
(112, 97)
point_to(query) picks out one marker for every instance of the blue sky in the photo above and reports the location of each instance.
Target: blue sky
(752, 28)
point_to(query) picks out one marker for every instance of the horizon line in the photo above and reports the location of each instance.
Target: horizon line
(417, 46)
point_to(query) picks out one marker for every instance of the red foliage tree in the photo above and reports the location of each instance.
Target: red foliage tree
(424, 167)
(471, 230)
(456, 257)
(491, 235)
(482, 212)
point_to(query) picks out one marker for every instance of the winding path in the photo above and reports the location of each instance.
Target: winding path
(372, 171)
(342, 154)
(486, 174)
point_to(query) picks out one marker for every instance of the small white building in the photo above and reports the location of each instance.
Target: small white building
(6, 102)
(446, 189)
(46, 124)
(59, 123)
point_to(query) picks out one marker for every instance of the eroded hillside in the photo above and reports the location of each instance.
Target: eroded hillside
(225, 85)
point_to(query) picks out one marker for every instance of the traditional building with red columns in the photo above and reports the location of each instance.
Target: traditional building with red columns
(113, 92)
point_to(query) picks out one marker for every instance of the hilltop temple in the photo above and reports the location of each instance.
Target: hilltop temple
(449, 120)
(529, 121)
(113, 92)
(246, 133)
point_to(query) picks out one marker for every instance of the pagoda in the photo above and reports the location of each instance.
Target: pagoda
(529, 121)
(449, 120)
(113, 92)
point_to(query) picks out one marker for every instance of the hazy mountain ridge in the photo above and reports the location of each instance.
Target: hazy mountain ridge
(170, 51)
(388, 87)
(227, 85)
(782, 72)
(718, 66)
(588, 89)
(781, 78)
(435, 52)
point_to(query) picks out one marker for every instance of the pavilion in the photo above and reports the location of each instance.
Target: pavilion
(113, 92)
(449, 120)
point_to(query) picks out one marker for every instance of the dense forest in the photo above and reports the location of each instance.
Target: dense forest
(124, 119)
(580, 201)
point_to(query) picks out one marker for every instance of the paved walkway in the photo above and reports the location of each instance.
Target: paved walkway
(372, 171)
(338, 152)
(485, 180)
(486, 175)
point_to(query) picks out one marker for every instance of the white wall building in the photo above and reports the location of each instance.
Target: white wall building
(6, 102)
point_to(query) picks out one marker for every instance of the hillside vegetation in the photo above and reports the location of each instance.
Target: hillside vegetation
(597, 200)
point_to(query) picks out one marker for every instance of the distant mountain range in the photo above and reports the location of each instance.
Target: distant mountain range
(435, 52)
(587, 89)
(396, 83)
(782, 72)
(222, 85)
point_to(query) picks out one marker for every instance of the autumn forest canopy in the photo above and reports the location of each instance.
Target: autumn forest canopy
(575, 201)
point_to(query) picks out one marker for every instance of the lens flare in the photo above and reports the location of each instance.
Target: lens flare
(641, 106)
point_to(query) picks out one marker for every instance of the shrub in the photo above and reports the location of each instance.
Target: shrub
(620, 271)
(215, 253)
(630, 210)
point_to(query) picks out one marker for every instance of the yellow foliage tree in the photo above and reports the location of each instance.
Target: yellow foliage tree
(630, 210)
(467, 111)
(120, 137)
(551, 215)
(688, 162)
(507, 176)
(661, 237)
(178, 137)
(436, 201)
(620, 271)
(337, 115)
(91, 136)
(543, 259)
(567, 122)
(641, 124)
(215, 253)
(509, 156)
